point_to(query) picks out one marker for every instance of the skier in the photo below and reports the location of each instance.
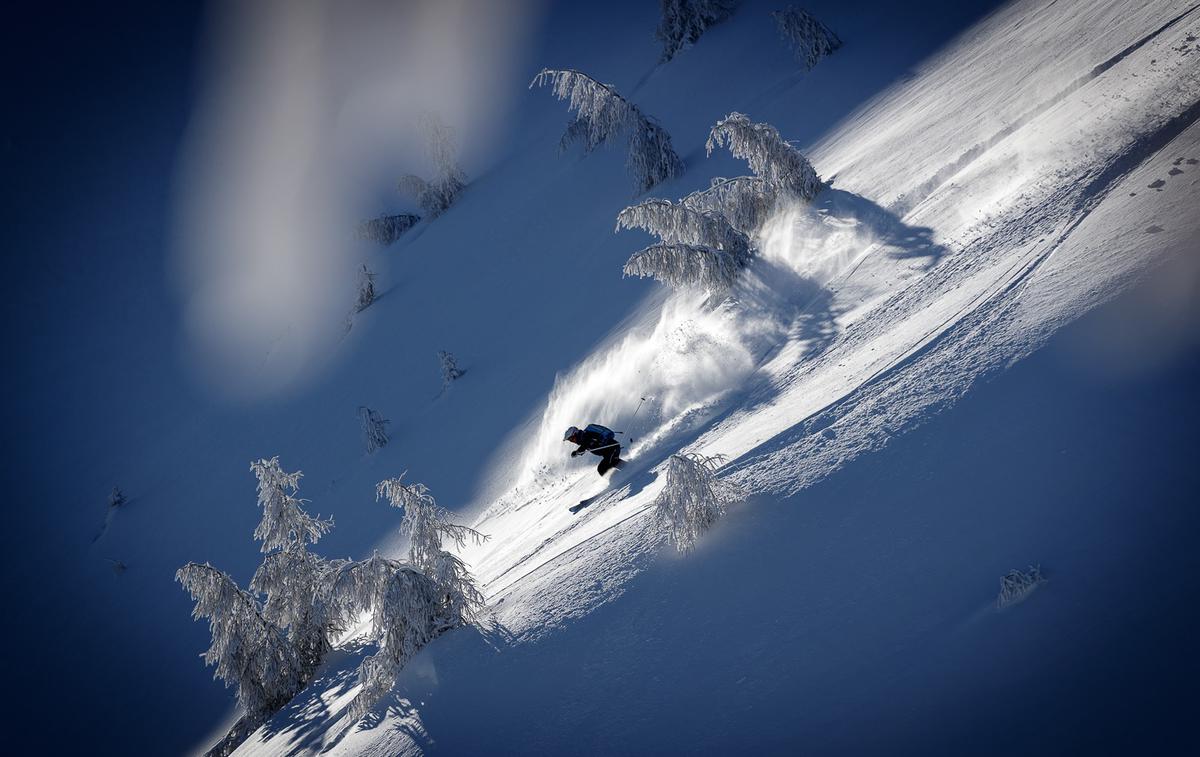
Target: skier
(599, 441)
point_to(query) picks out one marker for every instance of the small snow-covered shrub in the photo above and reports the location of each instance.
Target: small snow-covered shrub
(436, 195)
(374, 428)
(1016, 585)
(809, 39)
(385, 230)
(366, 288)
(449, 367)
(601, 116)
(116, 497)
(782, 168)
(683, 21)
(692, 499)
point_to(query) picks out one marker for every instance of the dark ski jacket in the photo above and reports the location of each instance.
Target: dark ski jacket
(597, 444)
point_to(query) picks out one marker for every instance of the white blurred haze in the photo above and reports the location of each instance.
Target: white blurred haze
(306, 117)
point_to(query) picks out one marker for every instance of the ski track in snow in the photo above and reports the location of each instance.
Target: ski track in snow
(1028, 231)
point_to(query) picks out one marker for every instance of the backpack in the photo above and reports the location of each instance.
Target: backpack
(604, 432)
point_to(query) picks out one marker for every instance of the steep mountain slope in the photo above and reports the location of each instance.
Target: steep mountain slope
(1033, 168)
(1013, 183)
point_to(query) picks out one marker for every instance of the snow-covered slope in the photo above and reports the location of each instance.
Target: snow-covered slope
(1014, 178)
(1031, 171)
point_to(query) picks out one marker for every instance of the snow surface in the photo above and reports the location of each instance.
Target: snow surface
(1029, 172)
(975, 209)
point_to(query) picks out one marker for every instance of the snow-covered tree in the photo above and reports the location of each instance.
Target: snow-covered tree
(1016, 585)
(248, 651)
(374, 428)
(436, 195)
(602, 115)
(449, 366)
(426, 525)
(297, 584)
(366, 288)
(809, 39)
(284, 523)
(403, 603)
(692, 499)
(699, 247)
(295, 581)
(386, 229)
(780, 165)
(683, 21)
(116, 497)
(744, 201)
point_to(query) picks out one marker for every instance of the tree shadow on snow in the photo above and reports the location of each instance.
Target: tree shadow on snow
(879, 225)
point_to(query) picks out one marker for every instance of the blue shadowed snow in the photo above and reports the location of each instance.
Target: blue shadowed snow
(870, 570)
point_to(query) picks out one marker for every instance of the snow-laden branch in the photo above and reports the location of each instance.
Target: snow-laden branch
(248, 651)
(284, 522)
(403, 603)
(699, 248)
(425, 522)
(745, 202)
(426, 525)
(771, 158)
(676, 223)
(602, 115)
(685, 265)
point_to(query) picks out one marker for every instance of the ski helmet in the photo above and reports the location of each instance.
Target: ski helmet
(572, 431)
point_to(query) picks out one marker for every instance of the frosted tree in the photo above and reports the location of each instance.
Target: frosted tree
(692, 499)
(809, 39)
(436, 195)
(249, 652)
(385, 230)
(294, 580)
(602, 116)
(450, 370)
(426, 525)
(366, 288)
(745, 201)
(699, 247)
(784, 171)
(683, 21)
(1016, 585)
(116, 498)
(403, 604)
(374, 428)
(284, 523)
